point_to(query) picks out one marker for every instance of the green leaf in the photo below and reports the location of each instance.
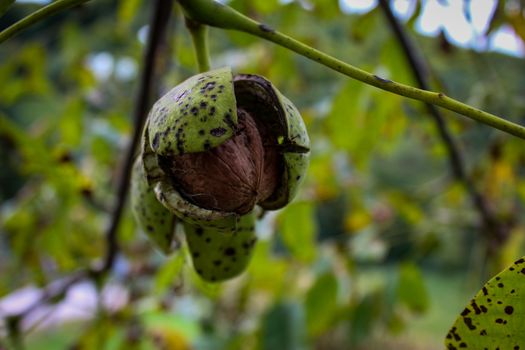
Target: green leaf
(347, 110)
(411, 288)
(298, 230)
(394, 60)
(282, 328)
(185, 326)
(365, 316)
(4, 5)
(97, 334)
(127, 10)
(495, 318)
(326, 9)
(263, 278)
(321, 304)
(71, 122)
(370, 118)
(168, 273)
(266, 6)
(364, 24)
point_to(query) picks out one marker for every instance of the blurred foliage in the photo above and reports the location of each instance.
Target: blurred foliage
(382, 242)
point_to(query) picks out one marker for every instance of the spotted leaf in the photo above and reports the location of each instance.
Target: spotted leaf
(495, 318)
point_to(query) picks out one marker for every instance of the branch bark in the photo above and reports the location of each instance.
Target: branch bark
(157, 30)
(496, 232)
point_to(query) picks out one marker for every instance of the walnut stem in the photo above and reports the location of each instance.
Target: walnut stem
(199, 36)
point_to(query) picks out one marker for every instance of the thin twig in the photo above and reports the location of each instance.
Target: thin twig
(158, 24)
(37, 16)
(420, 72)
(199, 36)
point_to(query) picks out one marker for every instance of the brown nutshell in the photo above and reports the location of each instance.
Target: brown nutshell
(232, 177)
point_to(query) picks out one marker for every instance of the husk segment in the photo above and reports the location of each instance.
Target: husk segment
(154, 219)
(218, 256)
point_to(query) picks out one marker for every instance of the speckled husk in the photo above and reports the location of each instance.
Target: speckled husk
(153, 218)
(185, 110)
(168, 195)
(218, 256)
(279, 116)
(258, 141)
(195, 116)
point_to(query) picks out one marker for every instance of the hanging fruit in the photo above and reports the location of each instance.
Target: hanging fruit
(213, 148)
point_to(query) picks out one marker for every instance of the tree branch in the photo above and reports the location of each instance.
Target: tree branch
(158, 24)
(218, 15)
(457, 165)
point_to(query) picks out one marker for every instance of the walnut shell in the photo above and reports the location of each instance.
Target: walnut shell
(232, 177)
(196, 148)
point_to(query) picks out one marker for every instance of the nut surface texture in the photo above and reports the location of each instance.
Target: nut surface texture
(230, 177)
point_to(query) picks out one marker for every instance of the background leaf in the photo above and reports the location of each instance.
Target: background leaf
(298, 230)
(321, 304)
(411, 288)
(4, 5)
(283, 327)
